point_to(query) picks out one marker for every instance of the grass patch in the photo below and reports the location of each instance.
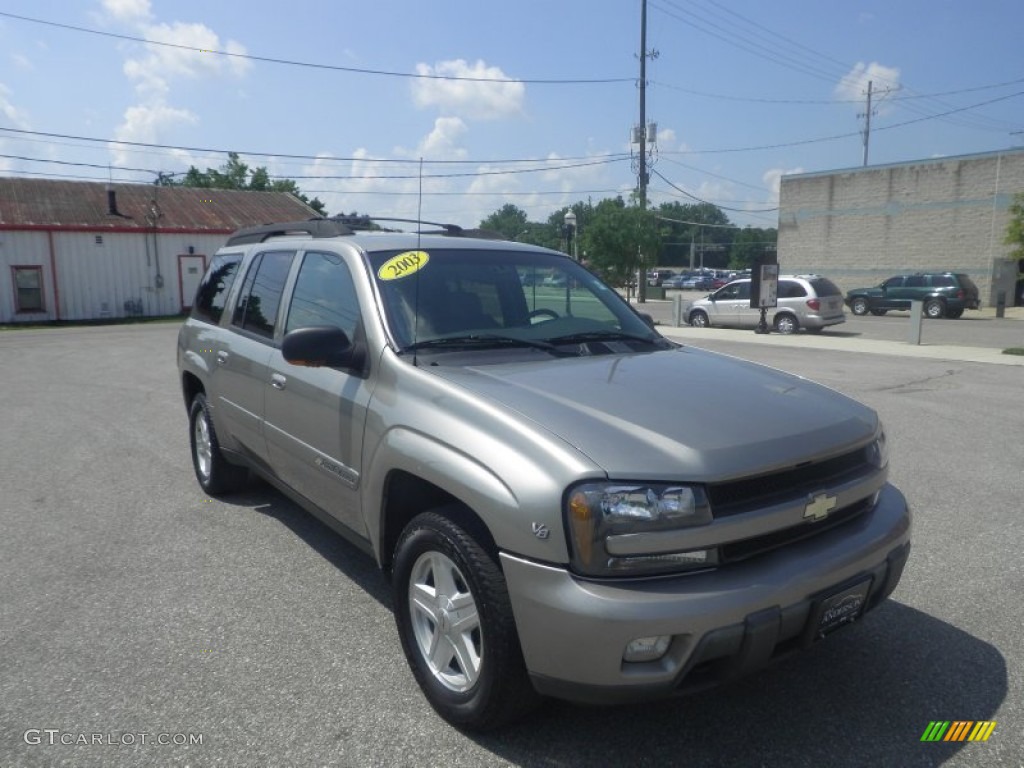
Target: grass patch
(1014, 351)
(88, 323)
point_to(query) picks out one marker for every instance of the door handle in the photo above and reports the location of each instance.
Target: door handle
(222, 357)
(277, 381)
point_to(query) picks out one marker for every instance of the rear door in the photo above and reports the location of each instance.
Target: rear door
(242, 355)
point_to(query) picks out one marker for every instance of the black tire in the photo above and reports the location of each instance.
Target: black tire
(953, 314)
(216, 475)
(477, 679)
(699, 319)
(786, 323)
(935, 308)
(859, 306)
(878, 312)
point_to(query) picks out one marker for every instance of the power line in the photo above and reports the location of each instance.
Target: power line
(311, 65)
(250, 153)
(699, 200)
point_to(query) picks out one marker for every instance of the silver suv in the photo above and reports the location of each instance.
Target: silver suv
(804, 301)
(500, 445)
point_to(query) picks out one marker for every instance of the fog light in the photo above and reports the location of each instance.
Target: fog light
(647, 648)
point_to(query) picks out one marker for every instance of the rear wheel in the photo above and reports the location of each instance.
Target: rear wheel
(699, 319)
(934, 308)
(786, 323)
(455, 620)
(215, 474)
(859, 306)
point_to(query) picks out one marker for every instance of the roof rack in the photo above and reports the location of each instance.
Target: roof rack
(317, 227)
(337, 226)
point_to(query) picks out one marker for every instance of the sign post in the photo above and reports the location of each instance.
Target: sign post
(764, 288)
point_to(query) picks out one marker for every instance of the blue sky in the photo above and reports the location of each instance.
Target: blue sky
(541, 115)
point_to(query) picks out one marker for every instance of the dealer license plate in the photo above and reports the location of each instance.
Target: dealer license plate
(842, 608)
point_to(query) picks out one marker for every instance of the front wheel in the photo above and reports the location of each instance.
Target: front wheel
(859, 306)
(699, 320)
(455, 620)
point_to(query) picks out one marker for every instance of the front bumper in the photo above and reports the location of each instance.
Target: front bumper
(724, 623)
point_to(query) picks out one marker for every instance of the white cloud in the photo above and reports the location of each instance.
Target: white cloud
(854, 86)
(484, 99)
(13, 116)
(154, 72)
(146, 123)
(773, 180)
(128, 10)
(22, 62)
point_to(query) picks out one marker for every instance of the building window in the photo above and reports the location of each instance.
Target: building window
(99, 239)
(28, 289)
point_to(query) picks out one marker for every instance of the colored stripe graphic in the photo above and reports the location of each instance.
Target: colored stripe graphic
(958, 730)
(935, 731)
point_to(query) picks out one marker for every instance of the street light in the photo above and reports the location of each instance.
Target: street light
(570, 234)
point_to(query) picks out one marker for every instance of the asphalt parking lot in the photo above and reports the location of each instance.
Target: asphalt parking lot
(133, 605)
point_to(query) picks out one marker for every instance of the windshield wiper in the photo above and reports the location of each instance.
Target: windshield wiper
(481, 341)
(608, 335)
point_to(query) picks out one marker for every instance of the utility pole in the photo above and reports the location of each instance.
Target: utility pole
(641, 279)
(867, 125)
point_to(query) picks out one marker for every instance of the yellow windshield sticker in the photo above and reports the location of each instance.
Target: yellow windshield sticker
(403, 265)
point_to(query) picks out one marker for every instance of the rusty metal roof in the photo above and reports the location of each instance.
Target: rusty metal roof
(85, 205)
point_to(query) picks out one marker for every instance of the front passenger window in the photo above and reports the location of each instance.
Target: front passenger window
(324, 295)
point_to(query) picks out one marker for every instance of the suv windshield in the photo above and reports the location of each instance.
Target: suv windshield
(467, 298)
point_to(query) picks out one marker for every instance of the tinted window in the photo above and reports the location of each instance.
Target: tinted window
(261, 292)
(943, 281)
(789, 289)
(893, 282)
(324, 295)
(209, 303)
(824, 287)
(916, 281)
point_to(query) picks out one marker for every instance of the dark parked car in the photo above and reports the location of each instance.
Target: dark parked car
(945, 294)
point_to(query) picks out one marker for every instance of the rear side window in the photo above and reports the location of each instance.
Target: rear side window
(825, 287)
(943, 281)
(790, 289)
(261, 292)
(209, 303)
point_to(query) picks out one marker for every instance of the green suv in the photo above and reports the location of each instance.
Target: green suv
(944, 294)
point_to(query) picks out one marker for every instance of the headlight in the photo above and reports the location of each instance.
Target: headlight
(597, 512)
(878, 451)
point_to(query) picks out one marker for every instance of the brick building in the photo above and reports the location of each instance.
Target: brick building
(72, 250)
(860, 225)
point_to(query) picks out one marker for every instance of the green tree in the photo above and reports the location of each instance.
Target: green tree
(509, 221)
(750, 243)
(702, 227)
(616, 236)
(1015, 227)
(235, 174)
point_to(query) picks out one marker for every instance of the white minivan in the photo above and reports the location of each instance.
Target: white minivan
(804, 301)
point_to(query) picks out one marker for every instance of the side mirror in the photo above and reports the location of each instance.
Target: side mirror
(647, 319)
(319, 345)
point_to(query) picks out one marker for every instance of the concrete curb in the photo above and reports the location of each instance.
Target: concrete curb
(695, 336)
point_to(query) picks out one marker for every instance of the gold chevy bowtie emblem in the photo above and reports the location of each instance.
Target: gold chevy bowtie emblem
(819, 507)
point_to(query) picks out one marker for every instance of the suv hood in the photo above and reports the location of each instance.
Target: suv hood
(676, 413)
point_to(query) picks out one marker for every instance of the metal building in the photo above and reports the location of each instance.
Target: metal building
(859, 226)
(72, 250)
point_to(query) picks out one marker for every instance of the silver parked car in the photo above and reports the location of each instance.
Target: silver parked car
(804, 301)
(498, 442)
